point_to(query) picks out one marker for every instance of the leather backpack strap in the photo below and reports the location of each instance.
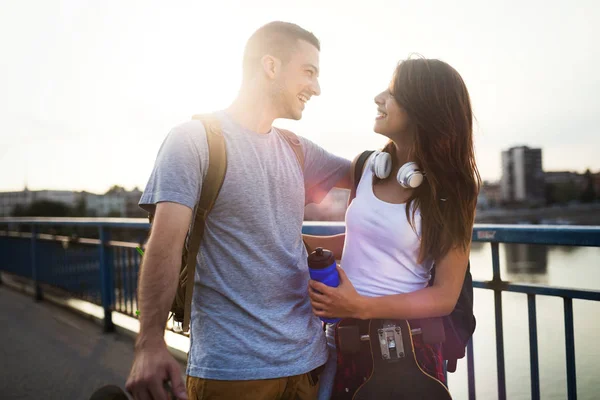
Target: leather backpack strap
(215, 175)
(356, 171)
(294, 142)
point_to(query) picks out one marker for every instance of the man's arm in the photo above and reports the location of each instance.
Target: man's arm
(160, 269)
(153, 365)
(346, 181)
(323, 171)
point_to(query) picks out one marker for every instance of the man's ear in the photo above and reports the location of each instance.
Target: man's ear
(271, 66)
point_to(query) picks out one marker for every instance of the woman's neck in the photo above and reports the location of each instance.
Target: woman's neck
(402, 154)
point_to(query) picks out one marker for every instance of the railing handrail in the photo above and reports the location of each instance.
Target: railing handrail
(87, 221)
(567, 235)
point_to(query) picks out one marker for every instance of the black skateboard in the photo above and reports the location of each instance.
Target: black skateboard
(395, 374)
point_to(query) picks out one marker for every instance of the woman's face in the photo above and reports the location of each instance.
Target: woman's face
(392, 120)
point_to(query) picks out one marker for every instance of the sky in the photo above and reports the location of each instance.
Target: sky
(90, 89)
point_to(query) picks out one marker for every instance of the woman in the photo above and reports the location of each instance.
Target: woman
(414, 207)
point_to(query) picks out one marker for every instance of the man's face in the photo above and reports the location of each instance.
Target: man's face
(297, 81)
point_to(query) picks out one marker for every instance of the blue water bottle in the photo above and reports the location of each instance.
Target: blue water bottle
(322, 267)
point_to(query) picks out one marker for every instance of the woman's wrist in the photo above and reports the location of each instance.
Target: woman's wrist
(362, 308)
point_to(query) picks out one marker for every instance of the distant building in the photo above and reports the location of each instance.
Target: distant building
(564, 187)
(132, 209)
(9, 200)
(490, 195)
(522, 175)
(596, 182)
(565, 178)
(117, 202)
(24, 198)
(98, 205)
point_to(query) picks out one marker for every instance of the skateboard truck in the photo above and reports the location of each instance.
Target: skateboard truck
(390, 341)
(350, 339)
(390, 337)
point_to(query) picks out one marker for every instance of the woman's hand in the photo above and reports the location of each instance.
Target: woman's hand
(341, 302)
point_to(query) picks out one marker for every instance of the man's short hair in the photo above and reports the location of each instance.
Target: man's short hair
(278, 39)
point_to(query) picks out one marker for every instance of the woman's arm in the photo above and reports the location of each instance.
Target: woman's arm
(435, 301)
(334, 243)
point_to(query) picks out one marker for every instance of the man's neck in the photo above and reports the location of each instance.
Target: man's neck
(252, 111)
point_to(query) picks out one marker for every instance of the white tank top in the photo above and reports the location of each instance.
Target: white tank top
(381, 248)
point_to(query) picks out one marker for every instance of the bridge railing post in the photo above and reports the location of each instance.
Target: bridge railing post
(34, 265)
(107, 284)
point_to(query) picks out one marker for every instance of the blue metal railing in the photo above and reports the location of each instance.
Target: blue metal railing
(105, 272)
(548, 235)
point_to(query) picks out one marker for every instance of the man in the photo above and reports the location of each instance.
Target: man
(253, 334)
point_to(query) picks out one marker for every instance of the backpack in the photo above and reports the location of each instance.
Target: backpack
(460, 324)
(215, 175)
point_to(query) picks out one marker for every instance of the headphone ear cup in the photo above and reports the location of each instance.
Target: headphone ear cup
(382, 164)
(410, 176)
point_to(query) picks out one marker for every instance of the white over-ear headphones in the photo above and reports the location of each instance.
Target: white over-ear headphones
(409, 175)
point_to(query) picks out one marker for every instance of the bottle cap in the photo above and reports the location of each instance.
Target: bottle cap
(320, 258)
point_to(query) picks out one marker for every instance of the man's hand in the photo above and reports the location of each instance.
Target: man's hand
(152, 368)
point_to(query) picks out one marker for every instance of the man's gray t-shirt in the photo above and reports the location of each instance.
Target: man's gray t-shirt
(251, 315)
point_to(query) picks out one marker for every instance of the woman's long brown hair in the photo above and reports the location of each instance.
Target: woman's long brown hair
(437, 102)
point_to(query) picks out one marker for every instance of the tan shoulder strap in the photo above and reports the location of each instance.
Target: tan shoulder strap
(294, 142)
(217, 166)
